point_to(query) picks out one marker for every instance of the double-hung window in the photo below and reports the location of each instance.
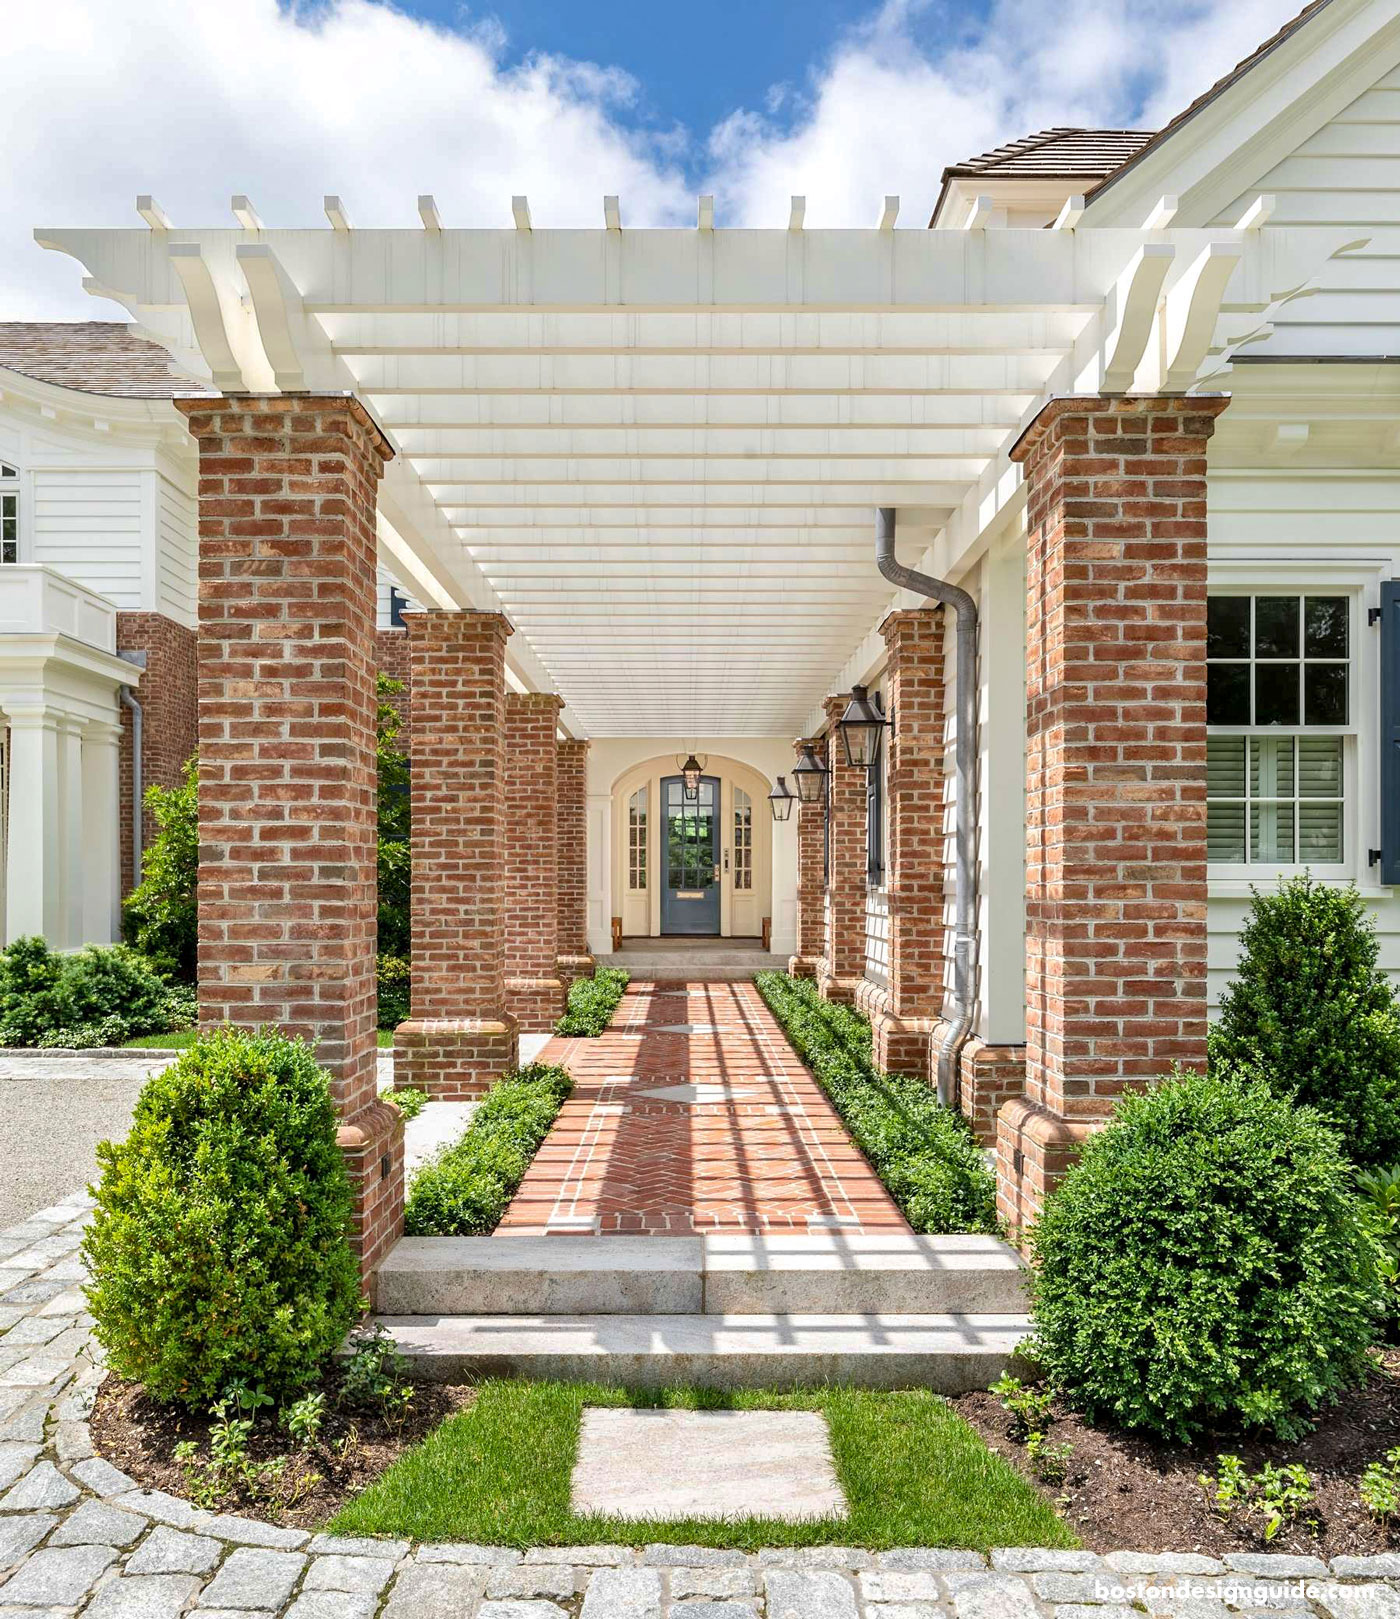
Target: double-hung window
(1278, 712)
(9, 513)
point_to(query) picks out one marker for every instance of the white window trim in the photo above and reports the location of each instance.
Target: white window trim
(17, 486)
(1228, 879)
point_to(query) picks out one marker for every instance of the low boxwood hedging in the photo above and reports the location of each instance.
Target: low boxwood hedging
(100, 996)
(923, 1152)
(592, 1002)
(463, 1192)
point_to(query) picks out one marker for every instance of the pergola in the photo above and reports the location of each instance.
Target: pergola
(658, 451)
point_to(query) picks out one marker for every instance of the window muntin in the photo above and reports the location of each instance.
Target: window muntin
(637, 840)
(743, 841)
(1278, 679)
(9, 513)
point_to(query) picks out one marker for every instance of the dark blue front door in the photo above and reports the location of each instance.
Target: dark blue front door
(690, 857)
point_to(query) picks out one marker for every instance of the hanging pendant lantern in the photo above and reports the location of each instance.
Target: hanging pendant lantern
(691, 772)
(861, 727)
(809, 776)
(781, 800)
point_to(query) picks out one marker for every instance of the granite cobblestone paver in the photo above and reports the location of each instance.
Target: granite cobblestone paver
(79, 1539)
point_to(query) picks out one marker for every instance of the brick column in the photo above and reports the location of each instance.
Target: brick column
(575, 959)
(167, 652)
(811, 895)
(534, 990)
(1115, 770)
(460, 1036)
(905, 1011)
(287, 825)
(843, 959)
(391, 656)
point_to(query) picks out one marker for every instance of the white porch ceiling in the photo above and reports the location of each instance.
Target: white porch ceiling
(659, 452)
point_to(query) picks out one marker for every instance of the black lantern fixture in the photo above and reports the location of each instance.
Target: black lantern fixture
(860, 727)
(691, 772)
(781, 800)
(809, 776)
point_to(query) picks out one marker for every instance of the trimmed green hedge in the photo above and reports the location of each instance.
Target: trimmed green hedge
(463, 1192)
(592, 1002)
(924, 1153)
(100, 996)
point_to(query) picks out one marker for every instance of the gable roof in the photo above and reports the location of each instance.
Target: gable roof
(95, 357)
(1081, 156)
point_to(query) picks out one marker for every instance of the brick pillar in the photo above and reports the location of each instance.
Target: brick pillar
(903, 1017)
(1115, 770)
(843, 960)
(460, 1036)
(167, 653)
(287, 825)
(811, 895)
(391, 656)
(534, 990)
(575, 959)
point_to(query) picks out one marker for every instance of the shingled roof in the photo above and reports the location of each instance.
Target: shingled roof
(93, 357)
(1055, 154)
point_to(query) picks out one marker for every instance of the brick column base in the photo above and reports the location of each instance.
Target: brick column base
(1035, 1148)
(988, 1078)
(373, 1146)
(536, 1004)
(901, 1044)
(454, 1059)
(802, 967)
(572, 967)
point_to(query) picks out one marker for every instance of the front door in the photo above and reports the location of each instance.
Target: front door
(690, 858)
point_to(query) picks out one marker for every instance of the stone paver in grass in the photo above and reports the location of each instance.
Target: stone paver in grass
(676, 1465)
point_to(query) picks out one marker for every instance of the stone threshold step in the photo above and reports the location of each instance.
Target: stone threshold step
(830, 1272)
(950, 1354)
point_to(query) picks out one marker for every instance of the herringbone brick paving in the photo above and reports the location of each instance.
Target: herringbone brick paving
(690, 1114)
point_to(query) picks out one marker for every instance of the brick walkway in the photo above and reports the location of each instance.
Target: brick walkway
(692, 1113)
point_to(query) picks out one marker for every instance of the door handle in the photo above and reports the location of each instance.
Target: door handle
(716, 872)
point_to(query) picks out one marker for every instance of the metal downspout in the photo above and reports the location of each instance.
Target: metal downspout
(965, 764)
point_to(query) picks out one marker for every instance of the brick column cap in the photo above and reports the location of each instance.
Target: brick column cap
(194, 405)
(908, 617)
(834, 707)
(421, 618)
(1207, 406)
(536, 699)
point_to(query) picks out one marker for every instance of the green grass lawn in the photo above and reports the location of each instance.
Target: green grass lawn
(185, 1037)
(913, 1472)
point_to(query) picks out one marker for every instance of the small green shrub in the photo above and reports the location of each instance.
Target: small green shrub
(1278, 1495)
(409, 1101)
(100, 996)
(1311, 1014)
(592, 1002)
(1380, 1487)
(463, 1192)
(218, 1249)
(395, 979)
(395, 830)
(923, 1152)
(161, 916)
(1205, 1263)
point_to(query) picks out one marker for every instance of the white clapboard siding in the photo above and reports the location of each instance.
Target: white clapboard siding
(1347, 174)
(176, 552)
(88, 524)
(385, 583)
(1225, 918)
(877, 936)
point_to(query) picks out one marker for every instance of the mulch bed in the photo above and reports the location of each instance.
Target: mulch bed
(1125, 1493)
(139, 1436)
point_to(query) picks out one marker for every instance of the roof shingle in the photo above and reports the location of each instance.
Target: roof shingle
(95, 357)
(1055, 154)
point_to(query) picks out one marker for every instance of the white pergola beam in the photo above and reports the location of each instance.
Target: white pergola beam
(612, 213)
(428, 213)
(1192, 310)
(275, 304)
(797, 214)
(705, 213)
(244, 212)
(207, 317)
(889, 213)
(152, 212)
(1161, 214)
(1070, 213)
(1135, 299)
(335, 212)
(520, 212)
(1258, 214)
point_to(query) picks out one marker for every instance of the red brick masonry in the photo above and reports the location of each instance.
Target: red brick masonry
(575, 960)
(534, 990)
(690, 1114)
(166, 692)
(1115, 769)
(811, 896)
(286, 752)
(460, 1036)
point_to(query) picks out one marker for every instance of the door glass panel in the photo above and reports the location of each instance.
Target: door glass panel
(690, 838)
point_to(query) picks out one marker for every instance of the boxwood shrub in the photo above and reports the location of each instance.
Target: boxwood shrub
(924, 1153)
(592, 1002)
(1205, 1265)
(464, 1190)
(1311, 1014)
(100, 996)
(218, 1250)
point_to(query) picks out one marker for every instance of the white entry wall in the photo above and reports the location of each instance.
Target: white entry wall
(618, 766)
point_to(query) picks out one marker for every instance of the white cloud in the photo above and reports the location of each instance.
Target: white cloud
(195, 99)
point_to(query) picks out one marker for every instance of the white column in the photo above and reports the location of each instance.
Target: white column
(600, 873)
(70, 811)
(101, 833)
(33, 880)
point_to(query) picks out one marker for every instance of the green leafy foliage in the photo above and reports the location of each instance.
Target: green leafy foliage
(1379, 1191)
(1278, 1495)
(1380, 1486)
(374, 1375)
(1311, 1014)
(924, 1152)
(1205, 1263)
(100, 996)
(1029, 1408)
(592, 1002)
(160, 917)
(395, 860)
(395, 979)
(463, 1192)
(410, 1102)
(1049, 1459)
(218, 1250)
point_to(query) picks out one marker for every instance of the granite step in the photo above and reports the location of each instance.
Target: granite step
(825, 1273)
(948, 1353)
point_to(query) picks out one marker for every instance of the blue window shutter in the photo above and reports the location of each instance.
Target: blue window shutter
(1390, 731)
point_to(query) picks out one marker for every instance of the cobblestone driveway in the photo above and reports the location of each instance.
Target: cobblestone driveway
(76, 1535)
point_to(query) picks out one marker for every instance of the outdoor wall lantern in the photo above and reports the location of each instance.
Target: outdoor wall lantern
(809, 776)
(781, 800)
(691, 772)
(860, 727)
